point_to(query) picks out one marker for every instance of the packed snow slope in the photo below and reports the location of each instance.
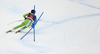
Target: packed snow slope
(66, 27)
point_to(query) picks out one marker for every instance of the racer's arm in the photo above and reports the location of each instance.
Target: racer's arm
(25, 15)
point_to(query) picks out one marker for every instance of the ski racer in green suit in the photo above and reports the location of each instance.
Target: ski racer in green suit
(29, 19)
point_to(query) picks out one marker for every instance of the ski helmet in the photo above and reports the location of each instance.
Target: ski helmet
(33, 11)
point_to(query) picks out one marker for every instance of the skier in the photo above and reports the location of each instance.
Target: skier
(29, 19)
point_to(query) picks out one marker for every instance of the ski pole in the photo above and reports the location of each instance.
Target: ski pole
(14, 22)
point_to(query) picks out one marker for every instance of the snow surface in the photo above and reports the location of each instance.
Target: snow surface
(66, 27)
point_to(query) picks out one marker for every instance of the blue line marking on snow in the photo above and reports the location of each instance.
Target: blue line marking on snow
(69, 19)
(79, 17)
(47, 21)
(83, 3)
(90, 5)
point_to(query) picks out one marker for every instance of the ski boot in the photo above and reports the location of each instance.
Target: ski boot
(18, 31)
(9, 31)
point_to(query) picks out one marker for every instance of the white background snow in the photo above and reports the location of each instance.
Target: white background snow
(66, 27)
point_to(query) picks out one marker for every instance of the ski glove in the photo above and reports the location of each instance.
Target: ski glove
(25, 18)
